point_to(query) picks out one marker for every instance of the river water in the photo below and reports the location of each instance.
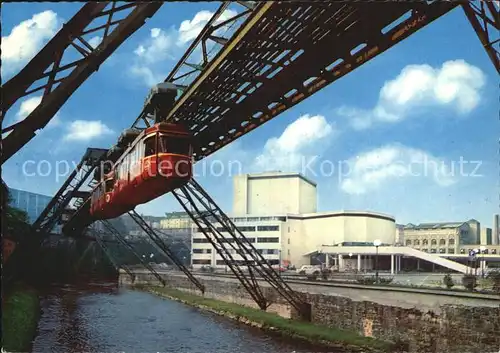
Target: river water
(102, 317)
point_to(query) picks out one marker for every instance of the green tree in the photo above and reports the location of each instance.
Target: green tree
(15, 222)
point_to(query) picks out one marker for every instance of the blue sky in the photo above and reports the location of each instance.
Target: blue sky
(427, 103)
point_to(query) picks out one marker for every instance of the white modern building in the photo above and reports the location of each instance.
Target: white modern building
(277, 213)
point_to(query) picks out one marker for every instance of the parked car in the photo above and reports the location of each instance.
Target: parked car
(309, 270)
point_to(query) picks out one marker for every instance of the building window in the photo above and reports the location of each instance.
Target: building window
(442, 242)
(268, 240)
(201, 262)
(433, 242)
(451, 241)
(441, 251)
(451, 251)
(493, 251)
(433, 251)
(416, 242)
(425, 242)
(425, 250)
(288, 241)
(408, 242)
(202, 251)
(200, 240)
(246, 229)
(288, 251)
(268, 228)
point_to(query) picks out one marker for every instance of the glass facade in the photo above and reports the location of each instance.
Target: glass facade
(30, 202)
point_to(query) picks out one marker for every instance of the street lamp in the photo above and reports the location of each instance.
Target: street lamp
(377, 243)
(476, 251)
(482, 248)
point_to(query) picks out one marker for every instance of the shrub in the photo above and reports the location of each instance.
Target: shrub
(448, 281)
(495, 277)
(469, 282)
(385, 280)
(312, 276)
(325, 273)
(366, 280)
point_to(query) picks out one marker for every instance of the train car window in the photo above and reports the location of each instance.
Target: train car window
(149, 146)
(174, 144)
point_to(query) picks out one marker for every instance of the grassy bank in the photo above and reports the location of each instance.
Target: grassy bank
(313, 333)
(20, 314)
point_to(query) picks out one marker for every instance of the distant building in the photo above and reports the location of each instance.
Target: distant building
(277, 213)
(486, 236)
(176, 220)
(441, 238)
(32, 203)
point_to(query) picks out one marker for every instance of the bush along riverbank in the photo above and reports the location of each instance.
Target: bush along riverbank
(20, 315)
(316, 334)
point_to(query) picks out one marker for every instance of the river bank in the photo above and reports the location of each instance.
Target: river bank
(20, 314)
(337, 339)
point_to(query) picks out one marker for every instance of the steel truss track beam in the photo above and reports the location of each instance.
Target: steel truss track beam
(112, 230)
(204, 213)
(484, 17)
(164, 248)
(70, 189)
(49, 58)
(309, 45)
(185, 71)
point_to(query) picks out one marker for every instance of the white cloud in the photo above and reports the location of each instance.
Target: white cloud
(27, 38)
(383, 166)
(456, 84)
(156, 55)
(28, 105)
(85, 130)
(189, 29)
(95, 41)
(300, 142)
(156, 48)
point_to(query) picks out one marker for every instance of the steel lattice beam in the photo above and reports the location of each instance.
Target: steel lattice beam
(164, 248)
(112, 230)
(484, 17)
(52, 213)
(49, 58)
(188, 68)
(204, 213)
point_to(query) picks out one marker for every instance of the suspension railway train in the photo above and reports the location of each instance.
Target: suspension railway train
(145, 164)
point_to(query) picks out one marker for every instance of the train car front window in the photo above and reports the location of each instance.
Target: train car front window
(174, 144)
(149, 146)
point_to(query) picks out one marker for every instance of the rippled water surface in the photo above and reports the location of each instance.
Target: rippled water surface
(101, 317)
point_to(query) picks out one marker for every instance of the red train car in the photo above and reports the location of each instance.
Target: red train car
(158, 161)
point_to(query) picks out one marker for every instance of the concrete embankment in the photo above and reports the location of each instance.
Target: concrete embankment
(431, 327)
(336, 339)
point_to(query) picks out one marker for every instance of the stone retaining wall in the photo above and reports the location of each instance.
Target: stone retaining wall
(456, 329)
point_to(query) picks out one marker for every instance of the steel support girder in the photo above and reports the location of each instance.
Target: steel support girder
(322, 52)
(51, 214)
(484, 17)
(112, 230)
(203, 37)
(204, 213)
(164, 248)
(106, 251)
(52, 102)
(201, 220)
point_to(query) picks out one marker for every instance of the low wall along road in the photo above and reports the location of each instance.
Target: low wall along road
(426, 322)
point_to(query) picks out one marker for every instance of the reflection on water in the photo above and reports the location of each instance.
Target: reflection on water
(101, 317)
